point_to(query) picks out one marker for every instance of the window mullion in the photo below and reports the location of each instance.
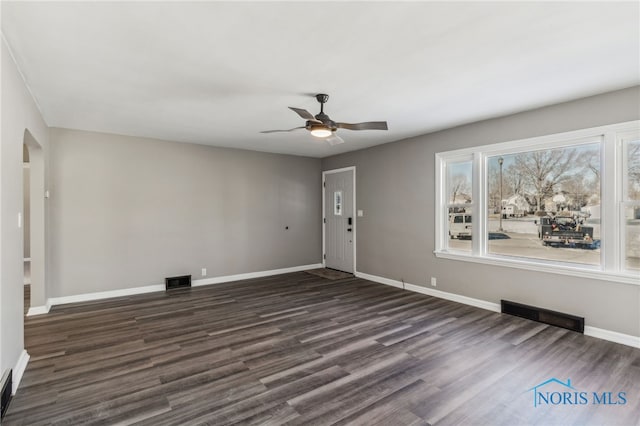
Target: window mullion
(610, 193)
(479, 189)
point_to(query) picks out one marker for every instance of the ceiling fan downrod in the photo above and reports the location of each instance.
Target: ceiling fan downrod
(322, 98)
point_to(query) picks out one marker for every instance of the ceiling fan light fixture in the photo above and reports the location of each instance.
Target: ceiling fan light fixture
(321, 131)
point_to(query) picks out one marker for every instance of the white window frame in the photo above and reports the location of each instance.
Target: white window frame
(612, 262)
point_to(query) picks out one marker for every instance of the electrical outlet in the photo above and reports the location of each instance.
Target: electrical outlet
(204, 272)
(433, 281)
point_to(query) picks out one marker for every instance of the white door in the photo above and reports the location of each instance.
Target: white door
(339, 220)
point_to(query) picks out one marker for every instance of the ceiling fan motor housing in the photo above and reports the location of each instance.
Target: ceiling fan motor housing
(311, 125)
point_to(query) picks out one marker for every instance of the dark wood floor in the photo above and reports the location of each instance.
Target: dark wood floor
(300, 349)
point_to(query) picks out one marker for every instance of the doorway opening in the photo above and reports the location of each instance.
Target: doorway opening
(25, 213)
(34, 225)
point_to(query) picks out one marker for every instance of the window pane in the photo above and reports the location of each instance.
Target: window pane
(545, 204)
(459, 182)
(337, 203)
(632, 210)
(632, 237)
(459, 205)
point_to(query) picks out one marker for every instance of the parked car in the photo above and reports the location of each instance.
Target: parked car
(460, 225)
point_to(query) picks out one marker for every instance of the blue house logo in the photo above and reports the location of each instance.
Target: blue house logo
(556, 392)
(554, 398)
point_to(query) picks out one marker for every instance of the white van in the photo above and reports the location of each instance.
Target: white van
(460, 225)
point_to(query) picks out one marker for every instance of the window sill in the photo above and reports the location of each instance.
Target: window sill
(554, 268)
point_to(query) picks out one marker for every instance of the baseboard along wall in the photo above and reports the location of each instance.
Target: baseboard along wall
(19, 369)
(53, 301)
(612, 336)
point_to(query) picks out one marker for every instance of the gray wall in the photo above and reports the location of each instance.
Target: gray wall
(127, 212)
(396, 190)
(21, 123)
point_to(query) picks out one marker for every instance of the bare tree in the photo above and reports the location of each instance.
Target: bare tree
(578, 189)
(459, 186)
(590, 159)
(545, 169)
(514, 180)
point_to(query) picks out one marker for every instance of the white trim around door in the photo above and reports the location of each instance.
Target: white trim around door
(355, 214)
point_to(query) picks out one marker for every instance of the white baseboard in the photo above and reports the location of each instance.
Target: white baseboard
(377, 279)
(86, 297)
(238, 277)
(39, 310)
(160, 287)
(495, 307)
(612, 336)
(478, 303)
(18, 370)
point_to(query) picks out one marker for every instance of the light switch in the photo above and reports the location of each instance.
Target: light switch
(19, 220)
(360, 213)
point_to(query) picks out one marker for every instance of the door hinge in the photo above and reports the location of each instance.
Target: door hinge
(324, 220)
(324, 184)
(324, 256)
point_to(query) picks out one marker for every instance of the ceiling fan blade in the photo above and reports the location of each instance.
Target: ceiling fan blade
(334, 139)
(275, 131)
(369, 125)
(303, 113)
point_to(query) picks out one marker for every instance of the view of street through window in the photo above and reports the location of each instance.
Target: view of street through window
(545, 204)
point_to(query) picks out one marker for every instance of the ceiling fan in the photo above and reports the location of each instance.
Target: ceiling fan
(322, 126)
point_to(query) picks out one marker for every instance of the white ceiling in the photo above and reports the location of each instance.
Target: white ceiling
(217, 73)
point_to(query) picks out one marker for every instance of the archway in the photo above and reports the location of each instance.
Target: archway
(36, 220)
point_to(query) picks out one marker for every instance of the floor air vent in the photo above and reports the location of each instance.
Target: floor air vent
(546, 316)
(183, 281)
(7, 385)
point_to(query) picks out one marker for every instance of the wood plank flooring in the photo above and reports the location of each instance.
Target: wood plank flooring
(299, 349)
